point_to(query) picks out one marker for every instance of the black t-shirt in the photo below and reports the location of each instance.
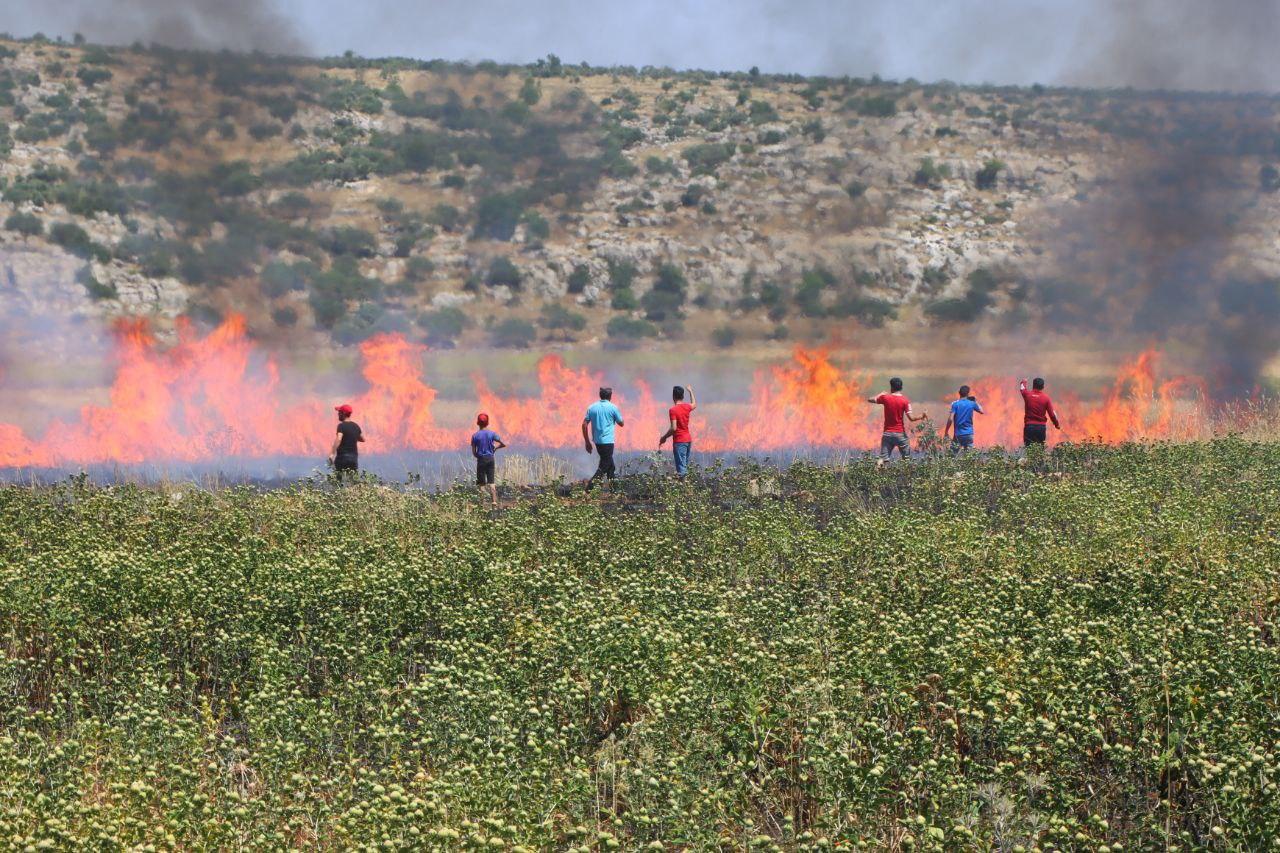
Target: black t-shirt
(350, 432)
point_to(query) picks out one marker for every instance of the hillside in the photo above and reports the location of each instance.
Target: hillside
(511, 205)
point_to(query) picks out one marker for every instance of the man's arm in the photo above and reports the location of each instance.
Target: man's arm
(671, 431)
(498, 444)
(586, 436)
(873, 400)
(693, 401)
(333, 451)
(914, 418)
(1052, 413)
(946, 430)
(617, 418)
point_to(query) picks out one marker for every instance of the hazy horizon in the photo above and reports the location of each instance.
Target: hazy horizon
(1179, 44)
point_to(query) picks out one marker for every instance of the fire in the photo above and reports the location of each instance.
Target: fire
(215, 396)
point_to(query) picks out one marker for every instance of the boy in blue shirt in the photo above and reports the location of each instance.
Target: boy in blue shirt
(484, 444)
(961, 419)
(602, 417)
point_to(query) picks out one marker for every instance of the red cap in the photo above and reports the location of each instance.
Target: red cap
(344, 409)
(482, 419)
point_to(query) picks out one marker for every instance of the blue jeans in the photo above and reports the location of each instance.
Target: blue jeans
(681, 452)
(961, 443)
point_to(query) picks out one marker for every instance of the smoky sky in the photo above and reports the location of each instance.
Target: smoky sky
(1184, 44)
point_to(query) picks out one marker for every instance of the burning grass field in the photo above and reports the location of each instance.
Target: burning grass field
(1076, 651)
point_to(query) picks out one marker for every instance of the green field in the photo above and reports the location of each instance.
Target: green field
(1077, 653)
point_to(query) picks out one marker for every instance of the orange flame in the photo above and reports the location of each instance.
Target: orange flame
(213, 396)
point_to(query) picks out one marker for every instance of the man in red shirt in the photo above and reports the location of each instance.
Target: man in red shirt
(681, 438)
(1038, 412)
(896, 408)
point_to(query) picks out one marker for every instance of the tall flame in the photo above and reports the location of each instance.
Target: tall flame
(213, 396)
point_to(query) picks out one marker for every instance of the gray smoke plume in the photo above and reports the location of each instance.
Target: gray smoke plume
(1163, 248)
(242, 25)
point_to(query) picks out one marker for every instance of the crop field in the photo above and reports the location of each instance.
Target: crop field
(1078, 652)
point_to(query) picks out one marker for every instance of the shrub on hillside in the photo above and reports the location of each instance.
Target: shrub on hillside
(628, 331)
(26, 224)
(502, 272)
(877, 106)
(724, 336)
(497, 216)
(988, 174)
(929, 174)
(513, 333)
(579, 279)
(665, 299)
(444, 326)
(556, 318)
(349, 240)
(705, 158)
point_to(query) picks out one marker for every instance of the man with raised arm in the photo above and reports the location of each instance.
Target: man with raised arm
(678, 432)
(602, 417)
(897, 411)
(960, 418)
(1038, 411)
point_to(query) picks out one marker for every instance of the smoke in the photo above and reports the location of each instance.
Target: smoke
(1165, 247)
(241, 25)
(1180, 44)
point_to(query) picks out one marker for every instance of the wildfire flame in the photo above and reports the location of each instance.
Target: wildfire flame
(215, 395)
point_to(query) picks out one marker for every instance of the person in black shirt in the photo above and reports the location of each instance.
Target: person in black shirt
(344, 456)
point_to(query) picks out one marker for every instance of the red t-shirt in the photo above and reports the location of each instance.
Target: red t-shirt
(1039, 407)
(680, 414)
(895, 407)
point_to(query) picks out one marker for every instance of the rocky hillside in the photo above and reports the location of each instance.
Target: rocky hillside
(511, 205)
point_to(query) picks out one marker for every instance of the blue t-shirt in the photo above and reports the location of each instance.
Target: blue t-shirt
(603, 415)
(482, 443)
(962, 415)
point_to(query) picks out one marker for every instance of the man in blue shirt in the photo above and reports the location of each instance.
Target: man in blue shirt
(602, 417)
(484, 444)
(961, 419)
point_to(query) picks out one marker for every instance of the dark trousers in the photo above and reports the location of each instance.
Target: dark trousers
(346, 468)
(1034, 433)
(606, 468)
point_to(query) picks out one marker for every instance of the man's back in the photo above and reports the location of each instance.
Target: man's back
(482, 443)
(348, 447)
(680, 414)
(896, 406)
(603, 415)
(1037, 406)
(962, 415)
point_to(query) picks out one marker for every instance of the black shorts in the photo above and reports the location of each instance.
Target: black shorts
(1034, 433)
(484, 472)
(346, 463)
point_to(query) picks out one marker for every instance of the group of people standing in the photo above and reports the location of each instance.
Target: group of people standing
(603, 418)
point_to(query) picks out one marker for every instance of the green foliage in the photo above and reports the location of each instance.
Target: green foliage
(446, 217)
(530, 91)
(444, 325)
(724, 336)
(342, 95)
(930, 174)
(497, 215)
(26, 224)
(513, 333)
(1269, 178)
(876, 106)
(988, 174)
(705, 158)
(97, 290)
(556, 318)
(665, 299)
(970, 654)
(502, 271)
(265, 130)
(814, 282)
(350, 240)
(286, 316)
(279, 278)
(91, 76)
(334, 289)
(968, 308)
(579, 279)
(630, 330)
(656, 165)
(76, 240)
(694, 195)
(536, 226)
(622, 274)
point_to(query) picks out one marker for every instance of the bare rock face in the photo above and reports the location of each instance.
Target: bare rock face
(46, 281)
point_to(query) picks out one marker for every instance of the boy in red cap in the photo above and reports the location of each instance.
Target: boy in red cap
(344, 455)
(484, 444)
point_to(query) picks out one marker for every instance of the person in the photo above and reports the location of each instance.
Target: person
(484, 444)
(344, 455)
(678, 431)
(961, 420)
(896, 408)
(1038, 410)
(602, 417)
